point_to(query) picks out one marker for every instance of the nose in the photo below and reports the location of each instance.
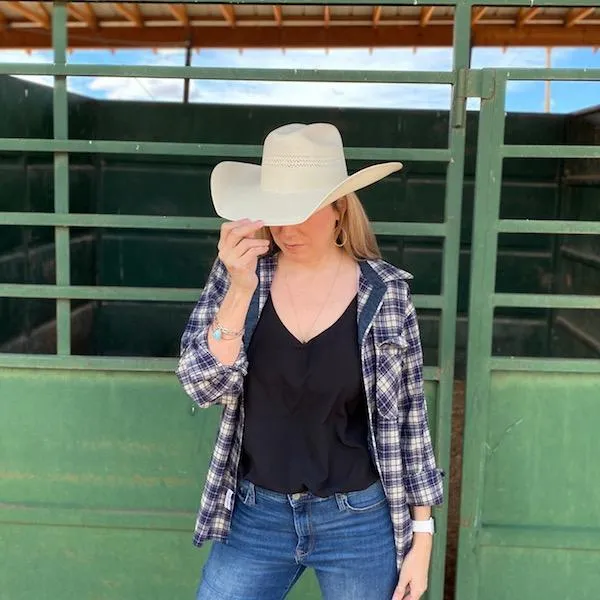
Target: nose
(288, 232)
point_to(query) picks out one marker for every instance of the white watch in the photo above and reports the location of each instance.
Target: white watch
(426, 526)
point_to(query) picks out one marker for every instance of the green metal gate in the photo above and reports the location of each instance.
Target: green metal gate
(530, 496)
(82, 498)
(102, 491)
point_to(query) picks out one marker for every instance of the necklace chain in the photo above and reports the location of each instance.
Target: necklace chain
(304, 337)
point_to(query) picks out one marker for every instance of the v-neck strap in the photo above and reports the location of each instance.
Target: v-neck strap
(349, 310)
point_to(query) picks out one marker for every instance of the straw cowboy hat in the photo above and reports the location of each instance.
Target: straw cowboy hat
(303, 169)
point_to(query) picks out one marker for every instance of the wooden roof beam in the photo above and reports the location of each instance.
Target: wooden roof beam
(131, 13)
(39, 18)
(478, 14)
(91, 15)
(426, 14)
(376, 15)
(278, 14)
(84, 13)
(576, 15)
(42, 8)
(340, 36)
(526, 15)
(179, 11)
(228, 13)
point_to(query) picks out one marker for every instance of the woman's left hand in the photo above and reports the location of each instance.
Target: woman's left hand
(415, 568)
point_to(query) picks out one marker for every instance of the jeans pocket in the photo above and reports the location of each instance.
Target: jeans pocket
(365, 500)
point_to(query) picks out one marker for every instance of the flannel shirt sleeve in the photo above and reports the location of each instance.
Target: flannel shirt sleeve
(423, 481)
(203, 377)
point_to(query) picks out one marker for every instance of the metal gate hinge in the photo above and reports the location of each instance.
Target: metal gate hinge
(480, 83)
(470, 83)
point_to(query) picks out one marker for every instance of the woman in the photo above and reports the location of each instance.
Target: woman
(310, 342)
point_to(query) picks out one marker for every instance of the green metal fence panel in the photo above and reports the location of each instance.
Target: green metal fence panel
(108, 474)
(529, 440)
(109, 456)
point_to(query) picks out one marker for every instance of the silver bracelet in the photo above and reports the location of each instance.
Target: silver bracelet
(219, 332)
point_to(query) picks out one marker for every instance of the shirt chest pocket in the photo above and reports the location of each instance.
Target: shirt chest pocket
(390, 355)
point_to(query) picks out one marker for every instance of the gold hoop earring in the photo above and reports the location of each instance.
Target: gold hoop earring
(345, 236)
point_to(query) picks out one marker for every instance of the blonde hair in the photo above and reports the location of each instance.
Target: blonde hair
(353, 228)
(359, 239)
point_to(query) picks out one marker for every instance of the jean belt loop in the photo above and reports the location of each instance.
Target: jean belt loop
(340, 498)
(251, 495)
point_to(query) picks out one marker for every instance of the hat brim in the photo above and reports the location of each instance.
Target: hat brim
(237, 194)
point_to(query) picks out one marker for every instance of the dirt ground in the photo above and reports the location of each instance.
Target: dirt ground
(458, 413)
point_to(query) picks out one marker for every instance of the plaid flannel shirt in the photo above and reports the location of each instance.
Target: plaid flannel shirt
(392, 365)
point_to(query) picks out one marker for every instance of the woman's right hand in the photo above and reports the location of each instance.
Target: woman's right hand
(239, 251)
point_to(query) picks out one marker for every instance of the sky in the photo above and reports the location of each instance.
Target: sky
(522, 96)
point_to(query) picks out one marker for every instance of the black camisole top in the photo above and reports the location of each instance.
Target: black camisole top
(306, 417)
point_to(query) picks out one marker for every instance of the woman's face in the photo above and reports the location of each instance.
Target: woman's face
(309, 239)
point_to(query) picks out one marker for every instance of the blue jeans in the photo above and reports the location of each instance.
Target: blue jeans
(346, 537)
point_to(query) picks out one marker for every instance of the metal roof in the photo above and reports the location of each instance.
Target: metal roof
(161, 24)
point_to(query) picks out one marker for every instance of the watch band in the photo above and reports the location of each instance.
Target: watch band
(427, 526)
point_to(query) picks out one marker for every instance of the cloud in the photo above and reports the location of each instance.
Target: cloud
(117, 88)
(424, 96)
(322, 94)
(278, 93)
(523, 58)
(37, 56)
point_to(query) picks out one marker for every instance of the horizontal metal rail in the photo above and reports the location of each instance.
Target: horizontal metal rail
(217, 150)
(550, 74)
(90, 292)
(142, 294)
(230, 74)
(545, 301)
(99, 363)
(547, 365)
(95, 517)
(524, 536)
(550, 226)
(290, 75)
(544, 151)
(185, 223)
(111, 363)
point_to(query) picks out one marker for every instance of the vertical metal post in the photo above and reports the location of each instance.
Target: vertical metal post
(186, 81)
(488, 184)
(450, 265)
(548, 83)
(61, 177)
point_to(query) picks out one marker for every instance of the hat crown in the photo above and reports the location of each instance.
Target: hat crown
(300, 157)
